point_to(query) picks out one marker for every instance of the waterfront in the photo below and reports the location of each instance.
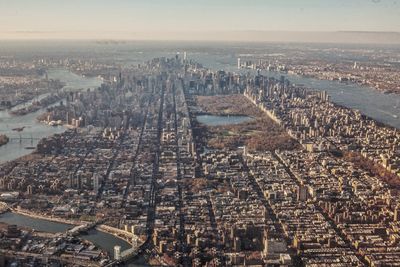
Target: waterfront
(216, 56)
(382, 107)
(73, 82)
(35, 130)
(104, 240)
(212, 120)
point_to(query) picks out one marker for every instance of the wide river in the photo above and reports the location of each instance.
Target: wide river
(371, 102)
(382, 107)
(35, 130)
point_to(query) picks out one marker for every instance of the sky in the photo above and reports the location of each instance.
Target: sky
(160, 19)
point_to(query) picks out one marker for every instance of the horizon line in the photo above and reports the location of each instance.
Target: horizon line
(247, 36)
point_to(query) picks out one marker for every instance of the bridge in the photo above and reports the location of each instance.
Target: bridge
(79, 229)
(21, 139)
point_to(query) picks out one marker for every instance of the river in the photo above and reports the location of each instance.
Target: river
(371, 102)
(382, 107)
(101, 239)
(35, 130)
(216, 56)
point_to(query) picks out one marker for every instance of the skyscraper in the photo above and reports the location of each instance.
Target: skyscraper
(117, 252)
(96, 183)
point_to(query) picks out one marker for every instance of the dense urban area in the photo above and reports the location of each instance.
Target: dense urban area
(361, 65)
(196, 167)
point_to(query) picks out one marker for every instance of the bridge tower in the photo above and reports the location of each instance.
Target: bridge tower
(117, 252)
(134, 242)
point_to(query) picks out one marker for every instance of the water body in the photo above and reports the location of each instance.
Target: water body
(101, 239)
(382, 107)
(73, 82)
(371, 102)
(35, 130)
(28, 103)
(218, 56)
(212, 120)
(223, 56)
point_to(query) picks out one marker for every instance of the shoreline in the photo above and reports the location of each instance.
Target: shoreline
(316, 77)
(114, 231)
(45, 217)
(385, 124)
(102, 227)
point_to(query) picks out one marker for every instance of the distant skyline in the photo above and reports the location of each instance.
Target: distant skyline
(197, 20)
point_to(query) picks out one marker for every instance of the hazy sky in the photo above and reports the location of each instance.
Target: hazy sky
(125, 18)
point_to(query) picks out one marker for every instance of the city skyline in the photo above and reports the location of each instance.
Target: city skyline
(200, 133)
(188, 20)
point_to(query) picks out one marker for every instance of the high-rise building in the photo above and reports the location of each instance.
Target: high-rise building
(397, 214)
(117, 252)
(29, 190)
(238, 63)
(96, 183)
(71, 181)
(302, 193)
(134, 242)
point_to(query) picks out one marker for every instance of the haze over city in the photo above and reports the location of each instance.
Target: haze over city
(207, 20)
(211, 133)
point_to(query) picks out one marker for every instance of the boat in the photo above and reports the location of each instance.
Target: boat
(18, 129)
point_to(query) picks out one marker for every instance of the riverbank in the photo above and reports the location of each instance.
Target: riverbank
(27, 243)
(121, 234)
(40, 104)
(46, 217)
(381, 79)
(33, 129)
